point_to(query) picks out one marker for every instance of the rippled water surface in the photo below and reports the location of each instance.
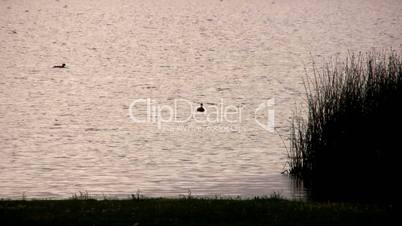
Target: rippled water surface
(68, 130)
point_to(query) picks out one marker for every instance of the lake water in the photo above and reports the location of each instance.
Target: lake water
(69, 130)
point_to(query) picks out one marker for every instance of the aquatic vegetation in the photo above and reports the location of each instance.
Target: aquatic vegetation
(346, 146)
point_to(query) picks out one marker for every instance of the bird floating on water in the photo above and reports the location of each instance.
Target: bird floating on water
(60, 66)
(201, 108)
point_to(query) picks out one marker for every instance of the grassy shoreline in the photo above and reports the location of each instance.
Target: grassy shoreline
(189, 211)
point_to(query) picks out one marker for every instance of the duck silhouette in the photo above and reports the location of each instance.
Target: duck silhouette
(201, 108)
(60, 66)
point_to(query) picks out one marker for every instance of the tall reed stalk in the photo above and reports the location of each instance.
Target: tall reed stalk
(347, 145)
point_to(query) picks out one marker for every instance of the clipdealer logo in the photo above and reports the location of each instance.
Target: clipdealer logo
(147, 110)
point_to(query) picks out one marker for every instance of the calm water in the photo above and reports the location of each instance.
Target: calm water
(68, 130)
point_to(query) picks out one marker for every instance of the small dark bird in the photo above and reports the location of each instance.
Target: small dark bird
(60, 66)
(200, 108)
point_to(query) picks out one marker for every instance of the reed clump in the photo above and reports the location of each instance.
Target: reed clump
(346, 147)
